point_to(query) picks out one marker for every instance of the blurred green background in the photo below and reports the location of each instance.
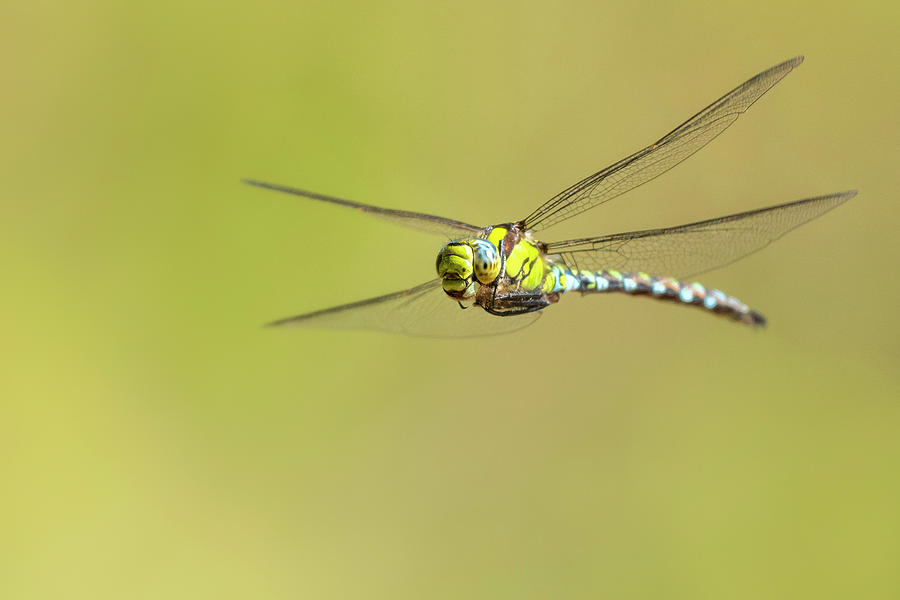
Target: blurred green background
(158, 443)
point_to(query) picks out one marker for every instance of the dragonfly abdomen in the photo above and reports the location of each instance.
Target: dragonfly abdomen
(663, 288)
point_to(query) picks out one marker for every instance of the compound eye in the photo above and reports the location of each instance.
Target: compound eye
(486, 261)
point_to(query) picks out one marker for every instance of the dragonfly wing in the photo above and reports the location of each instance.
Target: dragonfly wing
(450, 228)
(424, 310)
(657, 158)
(691, 249)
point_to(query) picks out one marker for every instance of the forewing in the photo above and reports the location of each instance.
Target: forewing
(691, 249)
(424, 310)
(657, 158)
(449, 228)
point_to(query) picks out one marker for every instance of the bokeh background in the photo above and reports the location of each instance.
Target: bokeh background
(158, 443)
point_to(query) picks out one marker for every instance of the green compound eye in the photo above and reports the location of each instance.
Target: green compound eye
(486, 261)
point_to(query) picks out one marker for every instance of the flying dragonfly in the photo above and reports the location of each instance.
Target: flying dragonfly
(498, 278)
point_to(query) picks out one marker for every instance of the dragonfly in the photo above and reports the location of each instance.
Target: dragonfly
(499, 278)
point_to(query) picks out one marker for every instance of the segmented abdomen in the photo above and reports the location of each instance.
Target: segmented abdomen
(560, 279)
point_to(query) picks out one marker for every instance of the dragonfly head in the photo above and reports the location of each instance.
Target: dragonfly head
(465, 264)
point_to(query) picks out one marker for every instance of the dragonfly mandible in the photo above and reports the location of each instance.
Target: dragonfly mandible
(499, 278)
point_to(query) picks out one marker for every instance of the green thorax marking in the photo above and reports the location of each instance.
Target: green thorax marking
(523, 262)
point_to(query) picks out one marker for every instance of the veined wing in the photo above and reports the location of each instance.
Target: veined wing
(691, 249)
(429, 223)
(657, 158)
(421, 311)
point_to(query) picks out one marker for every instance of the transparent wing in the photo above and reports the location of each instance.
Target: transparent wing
(691, 249)
(429, 223)
(424, 310)
(657, 158)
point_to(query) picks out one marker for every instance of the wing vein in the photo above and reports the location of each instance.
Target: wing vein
(695, 247)
(657, 158)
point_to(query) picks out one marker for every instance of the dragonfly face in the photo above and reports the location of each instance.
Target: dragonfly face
(464, 264)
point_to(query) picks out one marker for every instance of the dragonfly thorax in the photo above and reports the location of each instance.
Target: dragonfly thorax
(464, 264)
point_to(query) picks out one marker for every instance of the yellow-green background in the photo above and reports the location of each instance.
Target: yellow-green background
(157, 443)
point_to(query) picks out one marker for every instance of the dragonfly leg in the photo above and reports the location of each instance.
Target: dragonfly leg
(515, 303)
